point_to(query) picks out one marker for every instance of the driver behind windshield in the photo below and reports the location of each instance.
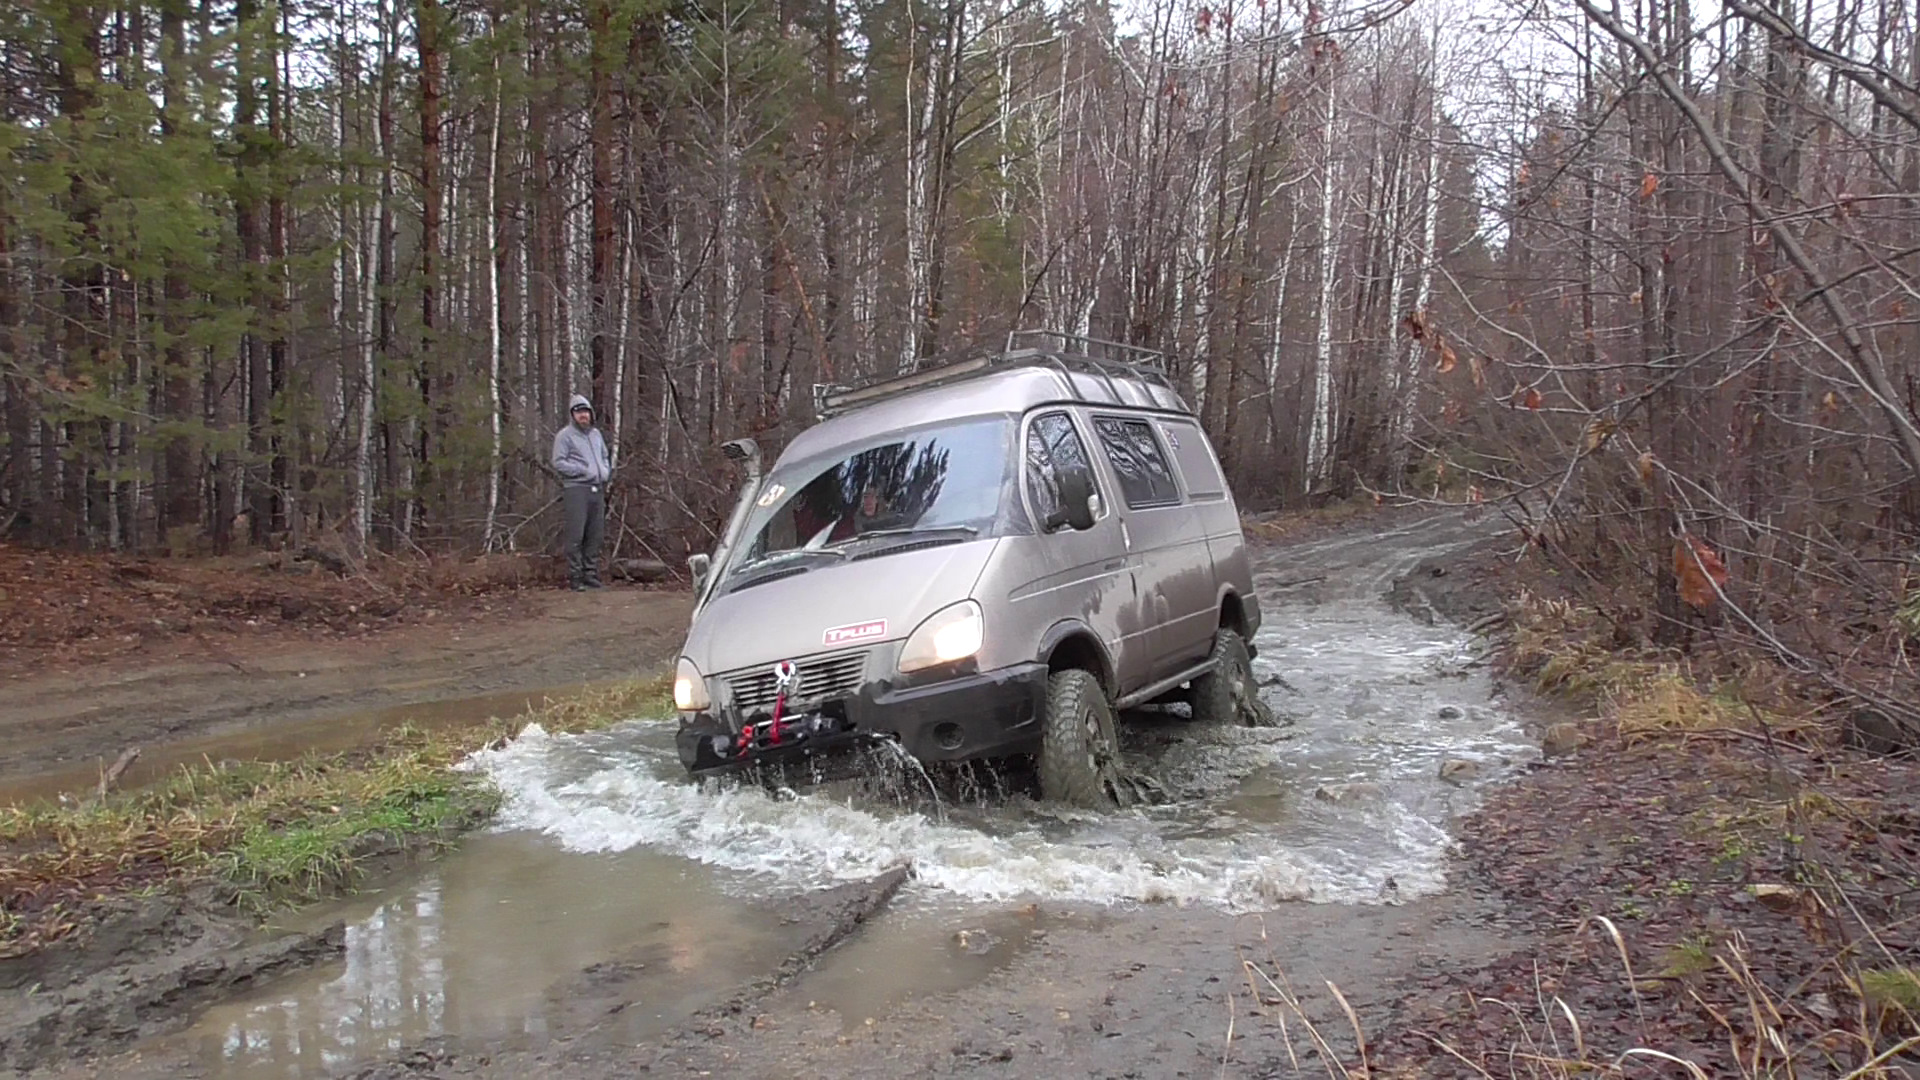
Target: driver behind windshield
(872, 508)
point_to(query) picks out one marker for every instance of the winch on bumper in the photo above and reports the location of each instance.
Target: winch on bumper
(961, 717)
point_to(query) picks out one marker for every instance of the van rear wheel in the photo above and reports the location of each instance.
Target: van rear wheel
(1079, 751)
(1228, 694)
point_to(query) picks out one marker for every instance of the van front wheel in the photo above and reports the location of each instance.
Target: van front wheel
(1228, 693)
(1079, 752)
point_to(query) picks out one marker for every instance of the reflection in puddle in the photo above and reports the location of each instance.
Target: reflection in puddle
(486, 945)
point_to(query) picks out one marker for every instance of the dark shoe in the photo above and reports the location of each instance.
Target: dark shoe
(579, 586)
(594, 583)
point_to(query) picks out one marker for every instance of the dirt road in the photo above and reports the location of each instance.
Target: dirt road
(621, 921)
(278, 697)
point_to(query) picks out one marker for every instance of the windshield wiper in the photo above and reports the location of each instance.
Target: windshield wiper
(889, 534)
(783, 556)
(911, 538)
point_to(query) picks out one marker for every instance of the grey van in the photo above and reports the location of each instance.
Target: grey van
(987, 557)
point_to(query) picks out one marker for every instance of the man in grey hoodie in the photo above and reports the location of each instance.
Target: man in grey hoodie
(580, 457)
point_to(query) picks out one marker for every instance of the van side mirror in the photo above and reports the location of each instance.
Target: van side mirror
(701, 565)
(1076, 498)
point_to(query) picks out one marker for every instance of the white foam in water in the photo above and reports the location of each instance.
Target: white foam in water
(1372, 703)
(811, 841)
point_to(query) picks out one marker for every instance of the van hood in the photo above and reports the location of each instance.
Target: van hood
(837, 606)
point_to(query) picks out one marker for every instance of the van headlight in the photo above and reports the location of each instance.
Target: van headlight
(952, 633)
(689, 688)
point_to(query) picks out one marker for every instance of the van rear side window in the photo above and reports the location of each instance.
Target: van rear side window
(1145, 479)
(1190, 456)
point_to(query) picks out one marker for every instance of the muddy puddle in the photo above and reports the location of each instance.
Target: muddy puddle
(491, 944)
(280, 742)
(604, 846)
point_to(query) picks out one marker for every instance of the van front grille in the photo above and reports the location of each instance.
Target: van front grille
(821, 677)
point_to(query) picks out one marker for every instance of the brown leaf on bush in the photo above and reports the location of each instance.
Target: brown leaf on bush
(1533, 398)
(1598, 432)
(1648, 185)
(1646, 467)
(1416, 324)
(1479, 369)
(1699, 571)
(1447, 358)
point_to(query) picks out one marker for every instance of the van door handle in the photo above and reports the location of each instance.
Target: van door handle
(1116, 564)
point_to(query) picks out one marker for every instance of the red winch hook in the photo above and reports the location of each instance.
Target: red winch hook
(785, 675)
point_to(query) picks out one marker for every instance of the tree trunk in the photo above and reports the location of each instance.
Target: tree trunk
(427, 31)
(178, 494)
(1320, 431)
(601, 270)
(495, 254)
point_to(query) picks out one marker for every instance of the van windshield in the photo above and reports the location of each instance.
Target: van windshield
(944, 481)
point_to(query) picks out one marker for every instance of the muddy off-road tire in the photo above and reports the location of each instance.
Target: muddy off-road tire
(1228, 694)
(1079, 750)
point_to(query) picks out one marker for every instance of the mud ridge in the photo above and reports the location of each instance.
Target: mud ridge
(159, 981)
(605, 988)
(153, 964)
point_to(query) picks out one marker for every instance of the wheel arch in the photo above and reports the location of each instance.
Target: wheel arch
(1071, 643)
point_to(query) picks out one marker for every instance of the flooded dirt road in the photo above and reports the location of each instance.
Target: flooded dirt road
(1027, 940)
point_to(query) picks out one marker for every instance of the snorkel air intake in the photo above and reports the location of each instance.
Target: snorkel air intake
(746, 453)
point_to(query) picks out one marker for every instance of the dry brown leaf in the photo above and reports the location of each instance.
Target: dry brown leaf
(1447, 358)
(1598, 432)
(1533, 398)
(1648, 184)
(1646, 467)
(1698, 571)
(1479, 368)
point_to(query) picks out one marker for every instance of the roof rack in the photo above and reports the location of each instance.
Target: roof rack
(1130, 355)
(1150, 366)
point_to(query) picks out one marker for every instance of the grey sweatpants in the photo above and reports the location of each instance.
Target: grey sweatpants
(586, 523)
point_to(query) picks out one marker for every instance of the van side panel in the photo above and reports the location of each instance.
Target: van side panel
(1168, 544)
(1033, 582)
(1216, 514)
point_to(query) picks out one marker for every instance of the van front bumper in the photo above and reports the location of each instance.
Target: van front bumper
(980, 715)
(984, 715)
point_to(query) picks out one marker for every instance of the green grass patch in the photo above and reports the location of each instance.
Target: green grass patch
(1891, 988)
(269, 833)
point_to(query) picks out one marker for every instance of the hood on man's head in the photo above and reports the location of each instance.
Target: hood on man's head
(579, 402)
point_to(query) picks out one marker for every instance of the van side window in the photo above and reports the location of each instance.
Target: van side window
(1145, 479)
(1190, 456)
(1053, 446)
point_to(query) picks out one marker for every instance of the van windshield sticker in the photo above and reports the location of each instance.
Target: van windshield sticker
(842, 635)
(772, 495)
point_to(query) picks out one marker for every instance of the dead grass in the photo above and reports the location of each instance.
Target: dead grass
(1568, 651)
(269, 833)
(1768, 1035)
